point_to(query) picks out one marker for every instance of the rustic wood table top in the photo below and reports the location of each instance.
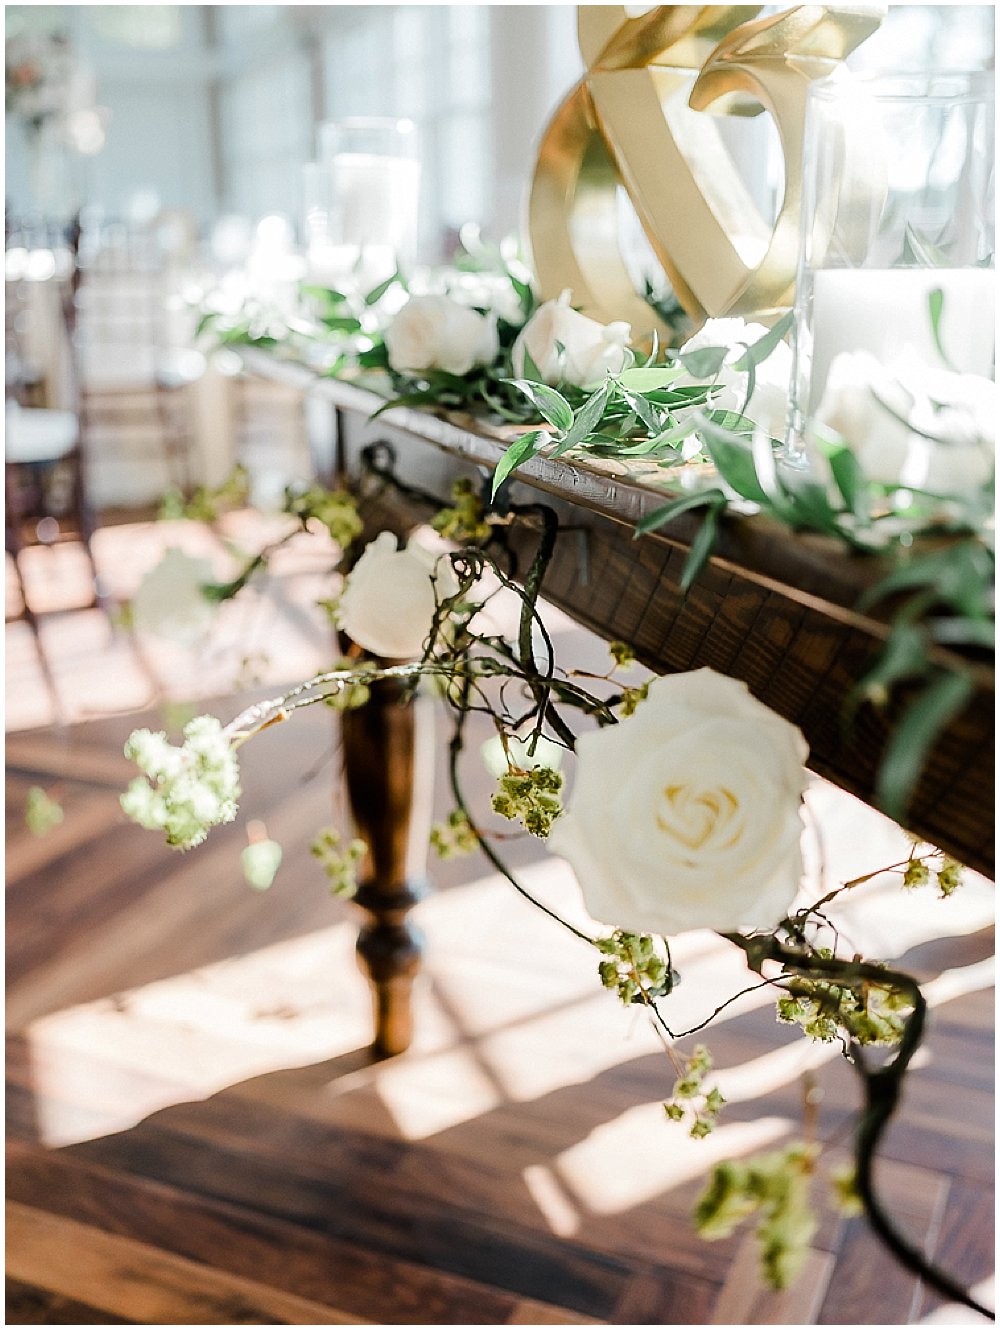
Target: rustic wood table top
(774, 608)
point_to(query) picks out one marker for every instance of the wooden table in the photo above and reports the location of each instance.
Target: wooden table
(772, 608)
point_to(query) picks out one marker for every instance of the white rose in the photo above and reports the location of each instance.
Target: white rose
(687, 815)
(768, 403)
(388, 602)
(590, 350)
(885, 414)
(436, 332)
(169, 601)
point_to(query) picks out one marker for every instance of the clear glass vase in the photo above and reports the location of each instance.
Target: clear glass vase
(361, 202)
(895, 276)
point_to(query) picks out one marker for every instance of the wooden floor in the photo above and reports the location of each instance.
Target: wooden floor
(196, 1133)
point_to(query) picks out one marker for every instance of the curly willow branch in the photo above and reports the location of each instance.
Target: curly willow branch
(882, 1089)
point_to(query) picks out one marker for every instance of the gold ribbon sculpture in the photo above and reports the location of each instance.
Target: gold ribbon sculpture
(637, 119)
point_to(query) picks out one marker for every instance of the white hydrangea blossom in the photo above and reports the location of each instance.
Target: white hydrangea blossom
(187, 790)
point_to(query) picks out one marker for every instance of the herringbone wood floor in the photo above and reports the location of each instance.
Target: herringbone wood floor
(197, 1134)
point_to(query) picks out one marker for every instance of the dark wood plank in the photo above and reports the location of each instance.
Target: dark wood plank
(243, 1242)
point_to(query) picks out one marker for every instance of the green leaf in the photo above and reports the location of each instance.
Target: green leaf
(904, 656)
(531, 370)
(586, 421)
(850, 480)
(935, 307)
(733, 459)
(646, 411)
(762, 348)
(702, 545)
(704, 363)
(964, 632)
(660, 516)
(645, 378)
(961, 576)
(552, 405)
(377, 292)
(914, 736)
(521, 449)
(376, 357)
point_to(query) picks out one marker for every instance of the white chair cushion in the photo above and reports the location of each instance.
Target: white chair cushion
(35, 434)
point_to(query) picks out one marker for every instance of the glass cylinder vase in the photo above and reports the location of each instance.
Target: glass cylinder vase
(895, 277)
(361, 204)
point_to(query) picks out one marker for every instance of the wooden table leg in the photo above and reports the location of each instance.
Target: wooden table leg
(389, 767)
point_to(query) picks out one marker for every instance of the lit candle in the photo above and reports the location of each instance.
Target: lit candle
(887, 313)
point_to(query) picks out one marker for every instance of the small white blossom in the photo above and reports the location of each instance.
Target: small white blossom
(183, 791)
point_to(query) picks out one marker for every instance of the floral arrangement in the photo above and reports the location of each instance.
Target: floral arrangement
(684, 808)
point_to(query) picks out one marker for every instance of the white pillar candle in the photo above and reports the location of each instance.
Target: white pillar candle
(887, 313)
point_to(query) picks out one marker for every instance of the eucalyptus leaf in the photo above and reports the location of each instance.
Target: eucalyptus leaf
(586, 421)
(517, 452)
(552, 406)
(377, 292)
(904, 656)
(759, 351)
(661, 516)
(913, 738)
(733, 459)
(704, 363)
(935, 308)
(645, 378)
(850, 481)
(702, 545)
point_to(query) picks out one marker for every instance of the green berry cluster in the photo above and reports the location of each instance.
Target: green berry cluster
(335, 509)
(531, 796)
(691, 1100)
(622, 654)
(42, 813)
(633, 966)
(455, 837)
(207, 504)
(631, 697)
(464, 523)
(339, 861)
(775, 1186)
(948, 876)
(869, 1013)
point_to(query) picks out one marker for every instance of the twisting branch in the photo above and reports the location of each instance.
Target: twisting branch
(882, 1088)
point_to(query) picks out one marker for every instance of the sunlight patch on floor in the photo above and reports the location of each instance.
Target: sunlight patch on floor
(617, 1168)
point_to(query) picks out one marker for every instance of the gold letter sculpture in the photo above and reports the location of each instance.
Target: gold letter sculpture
(637, 119)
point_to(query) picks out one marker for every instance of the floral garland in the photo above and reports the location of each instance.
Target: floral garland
(664, 810)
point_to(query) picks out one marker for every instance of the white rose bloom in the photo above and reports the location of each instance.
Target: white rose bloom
(591, 350)
(769, 403)
(387, 605)
(866, 404)
(688, 815)
(169, 601)
(436, 332)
